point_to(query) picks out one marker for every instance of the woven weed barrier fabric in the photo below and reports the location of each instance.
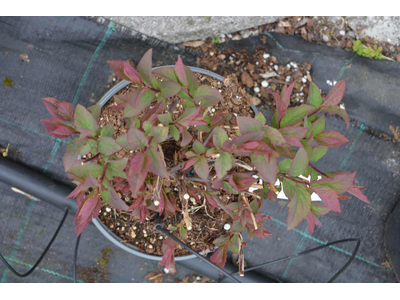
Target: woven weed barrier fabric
(67, 60)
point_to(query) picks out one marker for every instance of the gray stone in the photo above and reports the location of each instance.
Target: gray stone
(384, 29)
(181, 29)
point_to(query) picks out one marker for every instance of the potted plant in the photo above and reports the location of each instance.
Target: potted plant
(187, 147)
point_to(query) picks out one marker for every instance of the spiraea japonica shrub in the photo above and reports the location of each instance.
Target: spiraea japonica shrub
(218, 153)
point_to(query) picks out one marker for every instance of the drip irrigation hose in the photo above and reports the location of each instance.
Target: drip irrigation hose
(41, 256)
(78, 239)
(313, 250)
(160, 228)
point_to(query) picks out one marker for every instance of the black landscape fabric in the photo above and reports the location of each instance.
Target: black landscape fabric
(67, 60)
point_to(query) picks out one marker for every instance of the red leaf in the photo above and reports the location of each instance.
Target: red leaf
(356, 191)
(335, 96)
(139, 168)
(280, 105)
(131, 73)
(133, 97)
(168, 259)
(287, 91)
(329, 197)
(298, 132)
(180, 72)
(89, 182)
(60, 110)
(241, 181)
(89, 210)
(57, 128)
(186, 121)
(157, 163)
(118, 66)
(189, 163)
(219, 257)
(331, 138)
(210, 200)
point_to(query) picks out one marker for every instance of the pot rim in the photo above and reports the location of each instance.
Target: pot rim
(110, 235)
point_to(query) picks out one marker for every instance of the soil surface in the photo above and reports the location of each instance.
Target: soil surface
(208, 223)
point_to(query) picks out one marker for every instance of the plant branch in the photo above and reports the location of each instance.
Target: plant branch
(220, 203)
(253, 218)
(320, 172)
(241, 254)
(295, 180)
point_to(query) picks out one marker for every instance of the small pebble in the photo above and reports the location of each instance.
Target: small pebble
(257, 89)
(266, 55)
(264, 83)
(342, 32)
(304, 80)
(227, 226)
(108, 209)
(276, 67)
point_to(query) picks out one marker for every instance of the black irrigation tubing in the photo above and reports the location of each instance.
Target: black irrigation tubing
(159, 227)
(41, 256)
(78, 239)
(313, 250)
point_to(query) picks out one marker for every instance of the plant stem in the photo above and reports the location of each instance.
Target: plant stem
(322, 173)
(288, 177)
(253, 218)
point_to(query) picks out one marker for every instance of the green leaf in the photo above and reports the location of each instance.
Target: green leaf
(299, 206)
(118, 165)
(289, 188)
(274, 121)
(84, 119)
(174, 132)
(274, 136)
(160, 134)
(223, 164)
(229, 188)
(247, 125)
(147, 126)
(284, 165)
(219, 137)
(192, 80)
(299, 163)
(317, 127)
(201, 167)
(198, 147)
(314, 96)
(260, 117)
(81, 170)
(295, 114)
(166, 119)
(108, 146)
(95, 110)
(167, 72)
(107, 130)
(318, 152)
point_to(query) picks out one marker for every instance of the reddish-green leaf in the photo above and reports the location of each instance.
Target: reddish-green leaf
(192, 80)
(335, 96)
(336, 110)
(169, 88)
(266, 167)
(201, 167)
(317, 127)
(274, 136)
(136, 138)
(356, 191)
(247, 125)
(89, 210)
(331, 138)
(167, 72)
(72, 153)
(145, 65)
(118, 66)
(298, 132)
(299, 206)
(219, 137)
(287, 91)
(157, 163)
(299, 163)
(328, 196)
(223, 164)
(108, 146)
(81, 170)
(160, 134)
(131, 73)
(206, 95)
